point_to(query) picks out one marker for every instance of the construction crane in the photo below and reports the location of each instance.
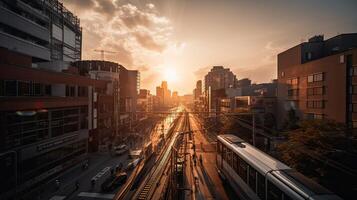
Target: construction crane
(103, 51)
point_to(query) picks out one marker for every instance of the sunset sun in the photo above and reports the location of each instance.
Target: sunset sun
(170, 75)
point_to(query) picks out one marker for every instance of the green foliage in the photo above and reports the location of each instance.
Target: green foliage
(309, 145)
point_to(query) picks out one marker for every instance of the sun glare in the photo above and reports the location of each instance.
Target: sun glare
(170, 75)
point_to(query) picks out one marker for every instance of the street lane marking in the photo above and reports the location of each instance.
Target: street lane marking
(101, 173)
(58, 197)
(96, 195)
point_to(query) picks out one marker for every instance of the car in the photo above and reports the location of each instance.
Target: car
(114, 181)
(120, 149)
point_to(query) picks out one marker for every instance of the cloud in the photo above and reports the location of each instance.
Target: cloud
(201, 72)
(81, 4)
(134, 33)
(148, 42)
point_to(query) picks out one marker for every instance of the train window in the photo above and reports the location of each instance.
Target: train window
(261, 186)
(229, 157)
(274, 193)
(242, 170)
(237, 164)
(224, 153)
(234, 162)
(252, 178)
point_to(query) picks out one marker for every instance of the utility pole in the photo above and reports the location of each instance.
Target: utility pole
(102, 51)
(253, 129)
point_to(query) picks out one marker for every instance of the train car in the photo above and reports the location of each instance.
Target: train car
(255, 175)
(148, 151)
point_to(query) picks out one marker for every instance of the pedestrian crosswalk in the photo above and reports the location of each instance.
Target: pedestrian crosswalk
(96, 195)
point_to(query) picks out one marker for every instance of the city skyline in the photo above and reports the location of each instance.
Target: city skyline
(178, 40)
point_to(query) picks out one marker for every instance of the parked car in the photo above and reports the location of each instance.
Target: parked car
(120, 149)
(114, 181)
(133, 164)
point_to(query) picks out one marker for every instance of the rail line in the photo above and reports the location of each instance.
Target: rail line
(149, 186)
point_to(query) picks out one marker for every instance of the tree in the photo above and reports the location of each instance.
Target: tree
(314, 149)
(292, 122)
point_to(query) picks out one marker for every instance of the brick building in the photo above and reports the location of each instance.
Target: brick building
(318, 79)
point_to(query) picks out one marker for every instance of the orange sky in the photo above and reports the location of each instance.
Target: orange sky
(181, 39)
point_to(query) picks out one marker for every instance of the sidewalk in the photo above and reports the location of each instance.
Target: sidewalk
(211, 180)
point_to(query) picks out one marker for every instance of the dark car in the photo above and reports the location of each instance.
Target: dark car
(114, 181)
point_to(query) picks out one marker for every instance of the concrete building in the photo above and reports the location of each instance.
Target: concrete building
(42, 29)
(175, 98)
(197, 92)
(106, 121)
(44, 127)
(244, 82)
(144, 103)
(164, 95)
(318, 80)
(261, 89)
(220, 78)
(129, 90)
(216, 82)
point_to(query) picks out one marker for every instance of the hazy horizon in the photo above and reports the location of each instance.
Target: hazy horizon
(179, 41)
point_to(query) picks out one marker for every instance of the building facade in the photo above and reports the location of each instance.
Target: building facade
(42, 29)
(129, 90)
(104, 114)
(317, 79)
(220, 78)
(44, 127)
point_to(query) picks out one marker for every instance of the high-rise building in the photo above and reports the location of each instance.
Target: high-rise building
(216, 82)
(220, 78)
(198, 90)
(42, 29)
(318, 79)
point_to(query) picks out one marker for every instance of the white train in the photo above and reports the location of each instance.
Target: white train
(255, 175)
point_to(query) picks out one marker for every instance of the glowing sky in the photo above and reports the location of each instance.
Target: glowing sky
(181, 39)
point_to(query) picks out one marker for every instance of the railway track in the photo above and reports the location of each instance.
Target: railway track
(149, 185)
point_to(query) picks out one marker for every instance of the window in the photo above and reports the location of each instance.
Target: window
(318, 77)
(315, 77)
(252, 178)
(242, 169)
(261, 186)
(274, 193)
(48, 90)
(37, 89)
(308, 55)
(315, 104)
(316, 91)
(24, 88)
(229, 157)
(293, 92)
(310, 78)
(293, 81)
(70, 91)
(10, 88)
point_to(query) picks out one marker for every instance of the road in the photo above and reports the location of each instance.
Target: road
(100, 164)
